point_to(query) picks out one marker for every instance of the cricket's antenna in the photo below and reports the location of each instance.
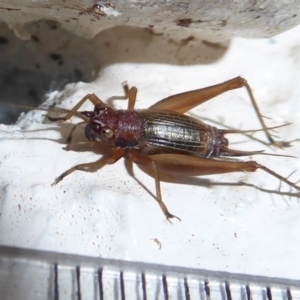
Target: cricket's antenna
(48, 109)
(227, 131)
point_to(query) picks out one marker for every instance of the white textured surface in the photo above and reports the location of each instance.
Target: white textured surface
(227, 18)
(108, 214)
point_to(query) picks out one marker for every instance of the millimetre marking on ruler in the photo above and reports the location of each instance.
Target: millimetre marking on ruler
(56, 294)
(248, 292)
(144, 286)
(288, 294)
(186, 289)
(165, 287)
(269, 293)
(78, 282)
(122, 286)
(207, 289)
(227, 290)
(100, 282)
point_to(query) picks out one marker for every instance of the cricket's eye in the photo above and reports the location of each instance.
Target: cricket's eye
(107, 132)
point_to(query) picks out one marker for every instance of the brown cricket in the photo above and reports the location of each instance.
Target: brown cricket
(164, 139)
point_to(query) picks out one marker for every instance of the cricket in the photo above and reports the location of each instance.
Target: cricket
(163, 139)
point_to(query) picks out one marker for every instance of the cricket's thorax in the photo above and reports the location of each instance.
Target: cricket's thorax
(130, 129)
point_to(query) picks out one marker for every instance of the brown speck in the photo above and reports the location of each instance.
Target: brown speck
(185, 41)
(35, 38)
(158, 243)
(184, 22)
(223, 23)
(149, 30)
(3, 40)
(55, 56)
(214, 45)
(52, 25)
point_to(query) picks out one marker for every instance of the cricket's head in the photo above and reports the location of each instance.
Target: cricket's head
(102, 124)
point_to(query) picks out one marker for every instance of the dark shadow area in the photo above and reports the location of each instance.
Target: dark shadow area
(54, 57)
(30, 69)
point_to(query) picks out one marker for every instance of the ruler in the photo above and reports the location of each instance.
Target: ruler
(34, 274)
